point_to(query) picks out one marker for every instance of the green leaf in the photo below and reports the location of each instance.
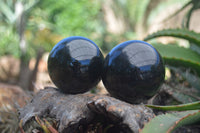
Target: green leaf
(193, 79)
(180, 33)
(178, 11)
(29, 5)
(183, 97)
(174, 55)
(183, 94)
(195, 48)
(180, 107)
(7, 11)
(188, 17)
(167, 123)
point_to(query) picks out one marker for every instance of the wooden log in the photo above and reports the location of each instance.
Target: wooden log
(72, 111)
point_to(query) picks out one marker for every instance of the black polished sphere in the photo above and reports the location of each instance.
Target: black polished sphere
(133, 71)
(75, 64)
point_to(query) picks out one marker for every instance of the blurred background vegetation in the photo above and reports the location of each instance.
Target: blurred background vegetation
(30, 28)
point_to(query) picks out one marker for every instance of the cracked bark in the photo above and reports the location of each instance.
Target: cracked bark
(72, 111)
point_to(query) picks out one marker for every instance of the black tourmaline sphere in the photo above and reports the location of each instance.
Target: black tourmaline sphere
(75, 64)
(133, 71)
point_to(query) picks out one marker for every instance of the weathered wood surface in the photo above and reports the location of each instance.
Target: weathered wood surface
(71, 111)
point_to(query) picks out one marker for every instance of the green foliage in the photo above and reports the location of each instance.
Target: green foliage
(137, 12)
(6, 12)
(174, 55)
(195, 4)
(72, 18)
(47, 23)
(191, 78)
(181, 107)
(177, 58)
(179, 10)
(192, 93)
(180, 93)
(184, 95)
(132, 14)
(180, 33)
(9, 43)
(11, 28)
(167, 123)
(163, 7)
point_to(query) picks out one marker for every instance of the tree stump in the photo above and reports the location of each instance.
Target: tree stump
(74, 111)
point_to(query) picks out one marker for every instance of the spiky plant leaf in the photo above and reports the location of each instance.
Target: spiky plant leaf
(174, 55)
(195, 48)
(167, 123)
(180, 33)
(192, 79)
(183, 97)
(182, 94)
(178, 11)
(186, 20)
(180, 107)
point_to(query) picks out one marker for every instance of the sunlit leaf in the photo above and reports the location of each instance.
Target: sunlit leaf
(179, 33)
(180, 107)
(178, 56)
(167, 123)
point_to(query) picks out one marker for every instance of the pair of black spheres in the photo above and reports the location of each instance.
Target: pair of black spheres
(132, 70)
